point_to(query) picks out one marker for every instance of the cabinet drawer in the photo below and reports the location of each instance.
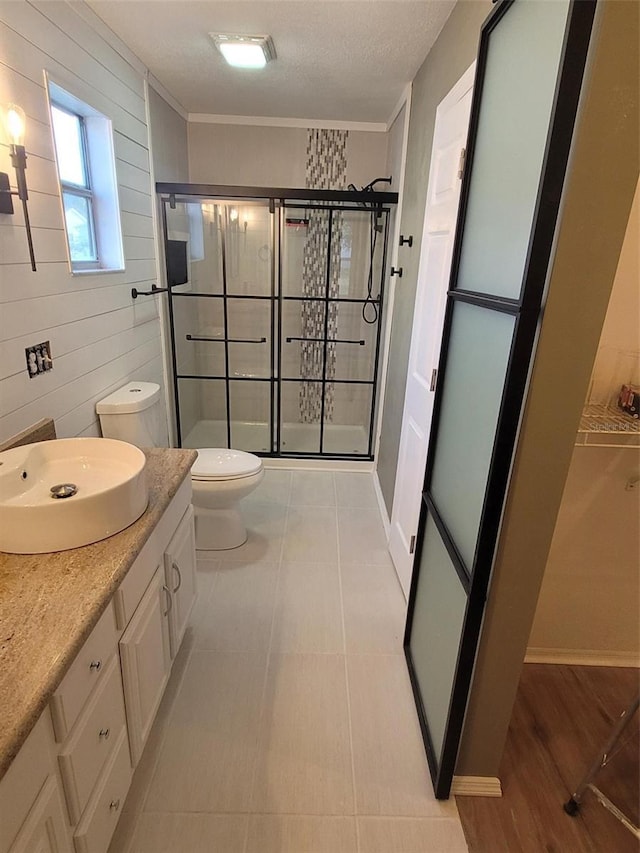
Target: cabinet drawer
(94, 831)
(92, 740)
(84, 674)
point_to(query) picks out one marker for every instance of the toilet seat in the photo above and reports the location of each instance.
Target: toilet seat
(216, 464)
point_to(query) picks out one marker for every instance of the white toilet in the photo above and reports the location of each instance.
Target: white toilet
(220, 477)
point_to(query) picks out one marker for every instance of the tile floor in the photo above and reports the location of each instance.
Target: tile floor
(288, 725)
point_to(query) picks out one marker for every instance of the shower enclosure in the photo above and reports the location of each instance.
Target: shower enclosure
(275, 300)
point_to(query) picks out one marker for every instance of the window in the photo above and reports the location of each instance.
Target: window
(85, 160)
(75, 184)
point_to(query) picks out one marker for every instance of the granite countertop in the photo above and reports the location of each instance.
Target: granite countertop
(49, 604)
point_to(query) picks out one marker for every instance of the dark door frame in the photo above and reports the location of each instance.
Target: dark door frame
(526, 309)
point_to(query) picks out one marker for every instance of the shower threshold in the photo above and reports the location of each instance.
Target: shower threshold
(295, 438)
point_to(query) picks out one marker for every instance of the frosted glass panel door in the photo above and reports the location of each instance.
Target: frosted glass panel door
(530, 64)
(479, 346)
(519, 87)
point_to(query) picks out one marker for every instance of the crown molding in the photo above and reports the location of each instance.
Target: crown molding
(404, 98)
(272, 121)
(157, 86)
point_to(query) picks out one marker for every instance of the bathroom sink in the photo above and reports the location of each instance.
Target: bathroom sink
(56, 495)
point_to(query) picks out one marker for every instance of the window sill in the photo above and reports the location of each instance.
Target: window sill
(101, 271)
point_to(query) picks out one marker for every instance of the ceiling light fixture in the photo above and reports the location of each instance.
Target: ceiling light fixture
(245, 51)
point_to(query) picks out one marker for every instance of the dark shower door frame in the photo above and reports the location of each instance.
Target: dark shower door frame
(225, 297)
(327, 299)
(332, 200)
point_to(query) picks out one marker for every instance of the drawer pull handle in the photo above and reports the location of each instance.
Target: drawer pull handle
(114, 805)
(169, 600)
(104, 733)
(95, 664)
(176, 569)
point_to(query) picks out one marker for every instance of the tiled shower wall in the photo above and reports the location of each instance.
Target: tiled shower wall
(326, 169)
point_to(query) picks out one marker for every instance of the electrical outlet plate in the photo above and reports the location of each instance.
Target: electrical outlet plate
(38, 359)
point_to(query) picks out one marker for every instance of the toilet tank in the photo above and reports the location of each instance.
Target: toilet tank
(133, 413)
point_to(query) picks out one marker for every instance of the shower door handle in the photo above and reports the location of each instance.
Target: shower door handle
(226, 340)
(327, 340)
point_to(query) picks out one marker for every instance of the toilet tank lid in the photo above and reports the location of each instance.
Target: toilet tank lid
(133, 397)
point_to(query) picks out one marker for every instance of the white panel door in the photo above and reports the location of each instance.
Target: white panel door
(146, 662)
(180, 577)
(443, 195)
(44, 830)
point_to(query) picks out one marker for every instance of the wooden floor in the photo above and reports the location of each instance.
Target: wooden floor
(562, 717)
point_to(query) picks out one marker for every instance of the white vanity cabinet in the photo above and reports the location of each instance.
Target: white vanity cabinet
(32, 815)
(146, 662)
(86, 744)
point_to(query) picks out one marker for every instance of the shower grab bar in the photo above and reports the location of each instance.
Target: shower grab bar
(227, 340)
(328, 340)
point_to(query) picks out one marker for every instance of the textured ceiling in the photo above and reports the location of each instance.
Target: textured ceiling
(342, 60)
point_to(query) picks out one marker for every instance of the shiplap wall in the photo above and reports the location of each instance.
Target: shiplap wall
(100, 337)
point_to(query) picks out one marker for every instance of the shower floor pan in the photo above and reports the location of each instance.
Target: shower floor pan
(295, 438)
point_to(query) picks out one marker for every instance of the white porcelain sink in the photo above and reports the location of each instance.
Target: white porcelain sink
(101, 488)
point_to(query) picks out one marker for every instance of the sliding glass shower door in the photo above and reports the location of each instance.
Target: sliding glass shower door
(220, 269)
(331, 300)
(275, 319)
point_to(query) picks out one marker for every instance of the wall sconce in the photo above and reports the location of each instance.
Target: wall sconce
(14, 125)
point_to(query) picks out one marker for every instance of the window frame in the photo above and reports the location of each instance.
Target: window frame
(100, 173)
(79, 190)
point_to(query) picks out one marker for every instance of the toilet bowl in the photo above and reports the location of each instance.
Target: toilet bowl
(220, 477)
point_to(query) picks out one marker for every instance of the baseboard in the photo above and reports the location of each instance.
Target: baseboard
(386, 523)
(582, 657)
(476, 786)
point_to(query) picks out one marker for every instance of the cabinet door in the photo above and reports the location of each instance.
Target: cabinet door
(44, 829)
(180, 572)
(146, 662)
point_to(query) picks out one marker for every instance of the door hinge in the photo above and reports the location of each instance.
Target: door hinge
(412, 545)
(434, 379)
(461, 162)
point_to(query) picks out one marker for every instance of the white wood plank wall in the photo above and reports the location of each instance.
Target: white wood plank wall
(100, 337)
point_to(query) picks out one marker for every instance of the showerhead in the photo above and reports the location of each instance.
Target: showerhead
(369, 187)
